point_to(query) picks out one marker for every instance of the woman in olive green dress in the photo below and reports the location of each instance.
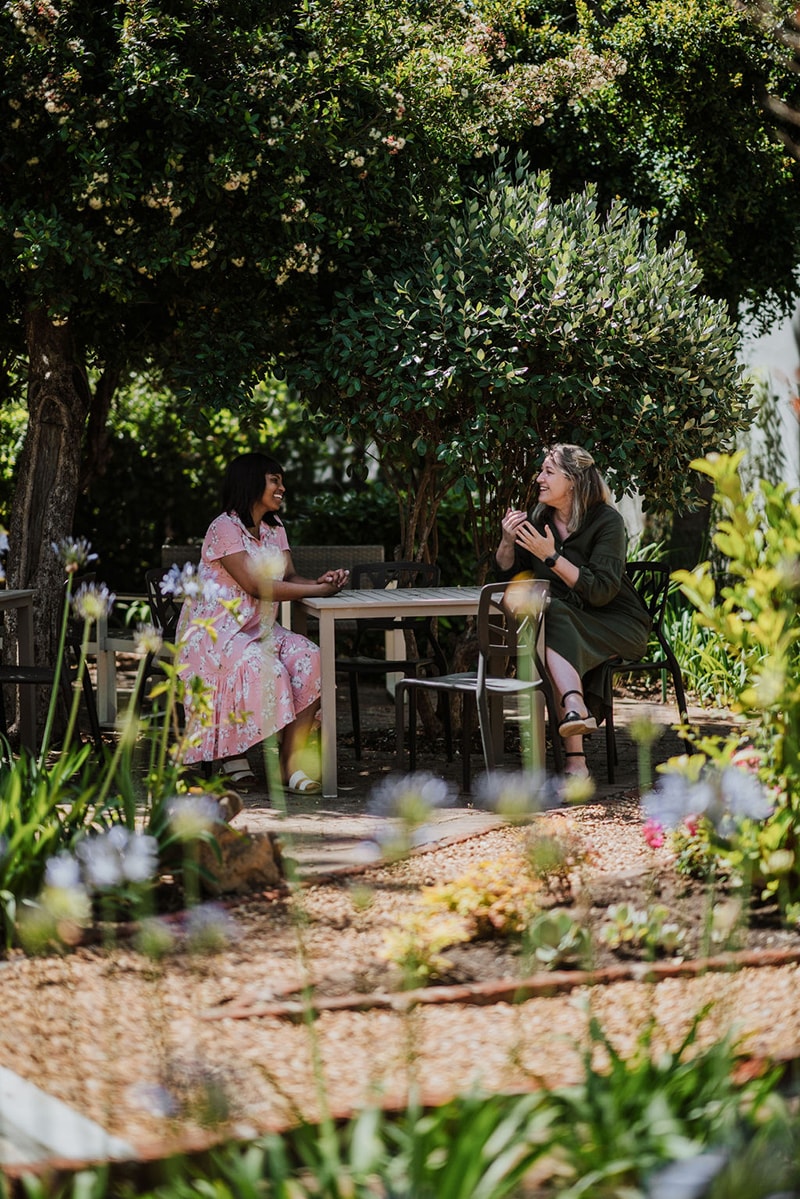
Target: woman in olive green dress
(576, 540)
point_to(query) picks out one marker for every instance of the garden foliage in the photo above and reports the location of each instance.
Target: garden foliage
(522, 321)
(752, 610)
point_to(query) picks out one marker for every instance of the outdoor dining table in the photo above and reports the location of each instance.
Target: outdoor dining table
(362, 604)
(22, 601)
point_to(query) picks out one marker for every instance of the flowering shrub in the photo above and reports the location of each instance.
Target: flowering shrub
(498, 897)
(755, 615)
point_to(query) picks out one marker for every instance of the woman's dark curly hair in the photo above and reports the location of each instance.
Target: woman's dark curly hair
(244, 483)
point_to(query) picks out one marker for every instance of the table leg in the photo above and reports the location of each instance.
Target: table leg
(27, 695)
(327, 647)
(106, 687)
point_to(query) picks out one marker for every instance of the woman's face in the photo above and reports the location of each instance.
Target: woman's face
(555, 488)
(274, 492)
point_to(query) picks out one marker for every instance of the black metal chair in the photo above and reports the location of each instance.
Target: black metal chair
(651, 580)
(165, 612)
(22, 674)
(507, 665)
(360, 663)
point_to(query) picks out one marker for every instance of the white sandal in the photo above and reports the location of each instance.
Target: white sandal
(237, 772)
(301, 784)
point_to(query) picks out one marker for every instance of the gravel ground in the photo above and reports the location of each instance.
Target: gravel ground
(111, 1033)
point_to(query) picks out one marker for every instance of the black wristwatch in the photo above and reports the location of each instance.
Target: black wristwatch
(551, 561)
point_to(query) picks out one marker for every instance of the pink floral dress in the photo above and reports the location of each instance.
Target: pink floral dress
(260, 675)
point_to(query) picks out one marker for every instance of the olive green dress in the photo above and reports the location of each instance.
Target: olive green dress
(602, 617)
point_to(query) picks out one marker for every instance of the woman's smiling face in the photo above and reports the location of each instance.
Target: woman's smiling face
(555, 488)
(274, 491)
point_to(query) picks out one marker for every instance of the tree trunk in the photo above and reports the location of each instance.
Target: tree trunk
(47, 481)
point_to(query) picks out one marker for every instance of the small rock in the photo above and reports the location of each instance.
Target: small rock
(249, 862)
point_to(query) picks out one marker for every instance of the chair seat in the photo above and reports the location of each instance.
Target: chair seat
(500, 646)
(27, 674)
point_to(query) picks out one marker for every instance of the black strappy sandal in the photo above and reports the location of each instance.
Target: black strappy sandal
(576, 753)
(574, 725)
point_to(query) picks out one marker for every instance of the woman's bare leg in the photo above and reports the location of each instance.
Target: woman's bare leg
(294, 741)
(565, 678)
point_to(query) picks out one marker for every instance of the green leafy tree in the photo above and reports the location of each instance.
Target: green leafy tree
(182, 185)
(520, 322)
(680, 132)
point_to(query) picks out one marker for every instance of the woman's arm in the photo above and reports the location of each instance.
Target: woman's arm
(506, 553)
(604, 550)
(243, 569)
(338, 575)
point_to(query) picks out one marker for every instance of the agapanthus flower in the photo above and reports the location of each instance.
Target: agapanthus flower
(410, 798)
(209, 929)
(191, 816)
(93, 601)
(147, 639)
(153, 1098)
(116, 857)
(63, 871)
(517, 796)
(73, 553)
(722, 796)
(184, 582)
(269, 564)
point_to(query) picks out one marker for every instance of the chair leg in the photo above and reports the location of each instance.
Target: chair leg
(466, 732)
(484, 724)
(447, 722)
(611, 742)
(412, 729)
(91, 712)
(399, 724)
(355, 712)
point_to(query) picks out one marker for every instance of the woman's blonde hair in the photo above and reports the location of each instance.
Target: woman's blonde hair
(588, 485)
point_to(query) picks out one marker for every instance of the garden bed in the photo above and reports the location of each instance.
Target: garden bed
(163, 1052)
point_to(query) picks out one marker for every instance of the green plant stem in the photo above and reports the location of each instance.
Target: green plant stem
(126, 739)
(62, 641)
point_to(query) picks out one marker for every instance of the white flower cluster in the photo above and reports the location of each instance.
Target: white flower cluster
(303, 259)
(724, 797)
(184, 582)
(107, 860)
(93, 601)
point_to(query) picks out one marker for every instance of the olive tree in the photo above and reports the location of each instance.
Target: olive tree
(522, 321)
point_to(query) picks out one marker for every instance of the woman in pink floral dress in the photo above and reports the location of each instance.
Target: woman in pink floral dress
(260, 678)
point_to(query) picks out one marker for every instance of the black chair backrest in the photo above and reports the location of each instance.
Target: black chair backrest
(651, 581)
(509, 619)
(395, 574)
(165, 610)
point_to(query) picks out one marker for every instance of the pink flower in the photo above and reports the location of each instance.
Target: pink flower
(748, 758)
(653, 834)
(692, 823)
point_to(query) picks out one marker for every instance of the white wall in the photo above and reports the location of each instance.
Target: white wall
(776, 354)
